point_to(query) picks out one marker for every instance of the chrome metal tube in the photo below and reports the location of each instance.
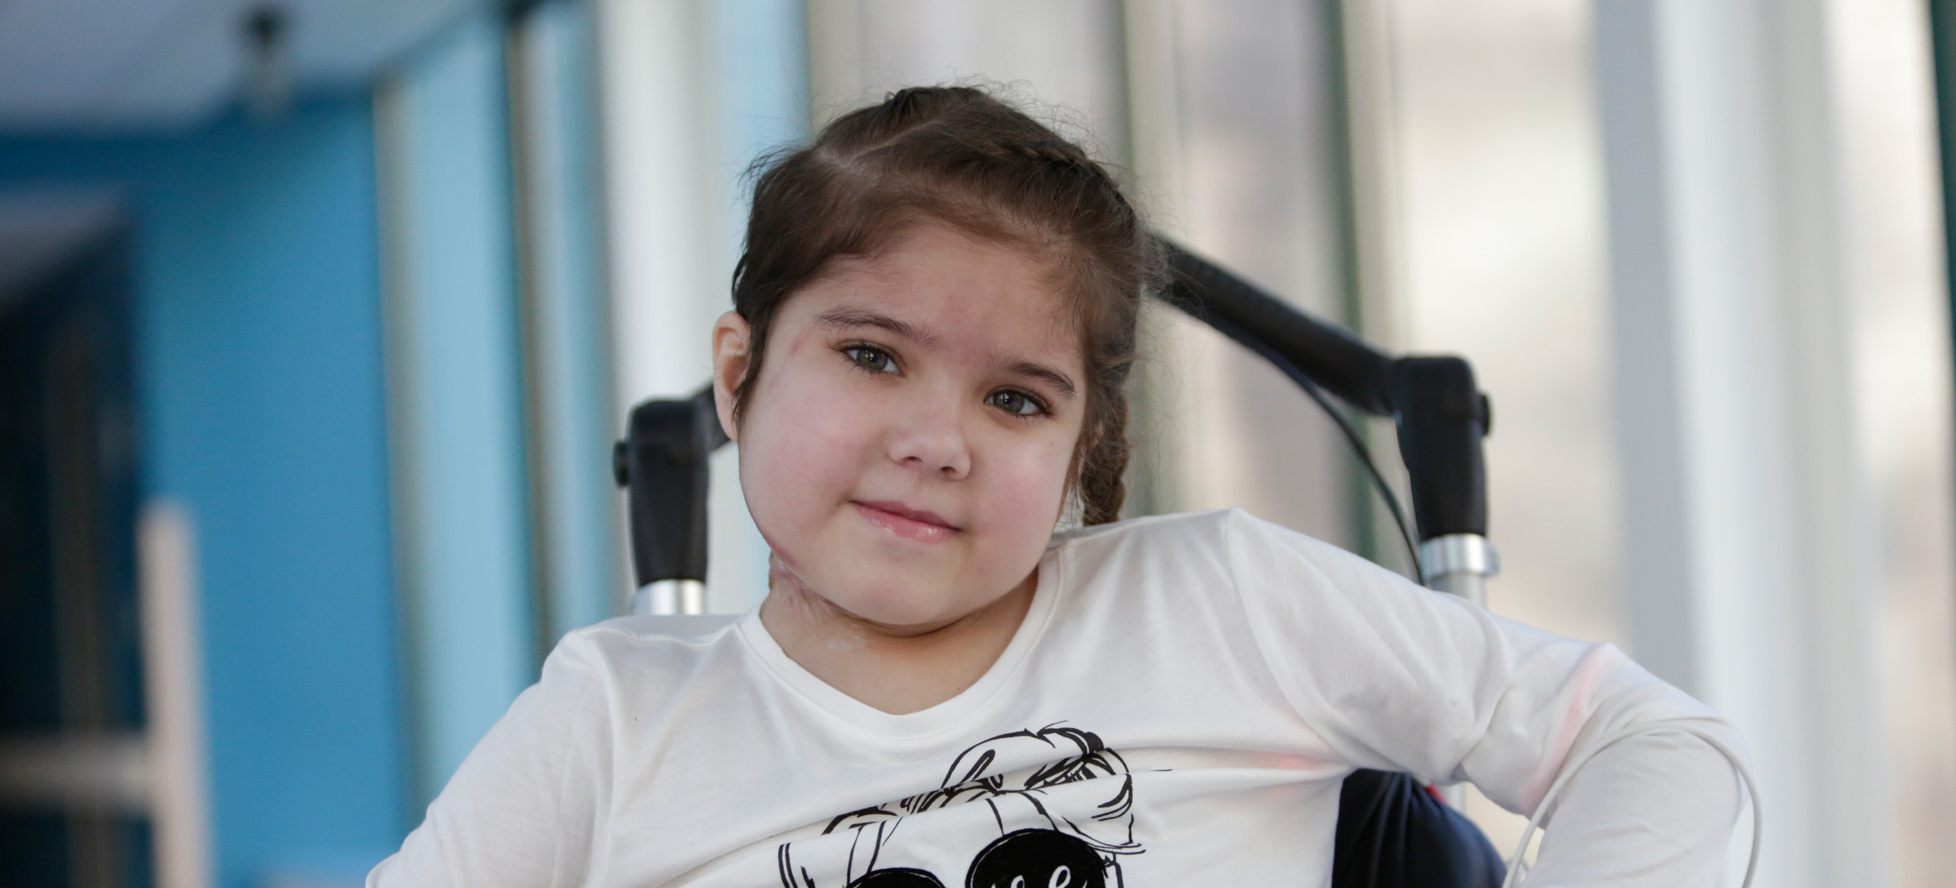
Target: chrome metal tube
(667, 597)
(1459, 564)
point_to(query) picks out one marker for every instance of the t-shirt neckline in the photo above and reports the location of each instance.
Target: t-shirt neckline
(944, 715)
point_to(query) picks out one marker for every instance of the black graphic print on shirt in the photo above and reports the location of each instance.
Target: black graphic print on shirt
(1062, 823)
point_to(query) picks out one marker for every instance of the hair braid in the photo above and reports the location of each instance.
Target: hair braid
(1102, 468)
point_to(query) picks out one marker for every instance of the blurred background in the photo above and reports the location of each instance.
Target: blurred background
(317, 320)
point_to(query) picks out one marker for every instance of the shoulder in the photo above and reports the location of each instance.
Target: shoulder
(1180, 530)
(632, 650)
(1216, 538)
(1225, 552)
(645, 632)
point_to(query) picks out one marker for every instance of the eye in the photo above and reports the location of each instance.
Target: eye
(1015, 402)
(871, 358)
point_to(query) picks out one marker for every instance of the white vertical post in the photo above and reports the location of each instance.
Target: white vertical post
(173, 673)
(663, 236)
(1748, 551)
(690, 92)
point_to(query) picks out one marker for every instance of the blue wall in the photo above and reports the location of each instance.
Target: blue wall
(260, 381)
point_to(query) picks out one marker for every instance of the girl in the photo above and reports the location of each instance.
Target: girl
(933, 320)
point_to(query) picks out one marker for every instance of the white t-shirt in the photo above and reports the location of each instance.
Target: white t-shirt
(1177, 709)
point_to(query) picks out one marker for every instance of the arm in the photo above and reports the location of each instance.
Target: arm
(1612, 801)
(1396, 677)
(523, 808)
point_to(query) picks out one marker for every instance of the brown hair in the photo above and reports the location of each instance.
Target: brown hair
(959, 156)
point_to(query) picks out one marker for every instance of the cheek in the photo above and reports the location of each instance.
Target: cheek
(801, 450)
(1030, 483)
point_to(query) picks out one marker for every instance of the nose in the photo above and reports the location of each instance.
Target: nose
(930, 438)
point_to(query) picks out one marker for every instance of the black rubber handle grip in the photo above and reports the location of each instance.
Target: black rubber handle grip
(662, 463)
(1442, 419)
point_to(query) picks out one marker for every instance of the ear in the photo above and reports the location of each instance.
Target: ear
(731, 353)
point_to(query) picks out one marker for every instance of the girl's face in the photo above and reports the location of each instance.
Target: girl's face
(907, 444)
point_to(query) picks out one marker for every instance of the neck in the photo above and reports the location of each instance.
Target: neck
(894, 668)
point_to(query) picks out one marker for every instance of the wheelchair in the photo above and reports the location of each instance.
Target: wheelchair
(1392, 831)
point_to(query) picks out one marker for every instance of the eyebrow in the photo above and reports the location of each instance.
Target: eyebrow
(1040, 371)
(850, 319)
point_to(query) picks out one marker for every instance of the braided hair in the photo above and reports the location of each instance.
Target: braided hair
(956, 155)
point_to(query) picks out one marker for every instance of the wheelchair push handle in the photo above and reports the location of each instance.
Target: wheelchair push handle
(1442, 418)
(1439, 412)
(663, 464)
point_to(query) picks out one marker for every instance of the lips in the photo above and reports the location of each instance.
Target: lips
(913, 524)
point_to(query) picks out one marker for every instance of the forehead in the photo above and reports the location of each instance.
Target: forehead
(969, 292)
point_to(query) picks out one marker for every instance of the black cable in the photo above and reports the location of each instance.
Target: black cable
(1344, 425)
(1364, 458)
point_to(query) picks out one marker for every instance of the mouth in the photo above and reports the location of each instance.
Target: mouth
(914, 524)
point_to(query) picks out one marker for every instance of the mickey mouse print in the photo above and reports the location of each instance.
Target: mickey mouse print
(1065, 823)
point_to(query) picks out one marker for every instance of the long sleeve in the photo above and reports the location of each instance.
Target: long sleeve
(524, 806)
(1396, 677)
